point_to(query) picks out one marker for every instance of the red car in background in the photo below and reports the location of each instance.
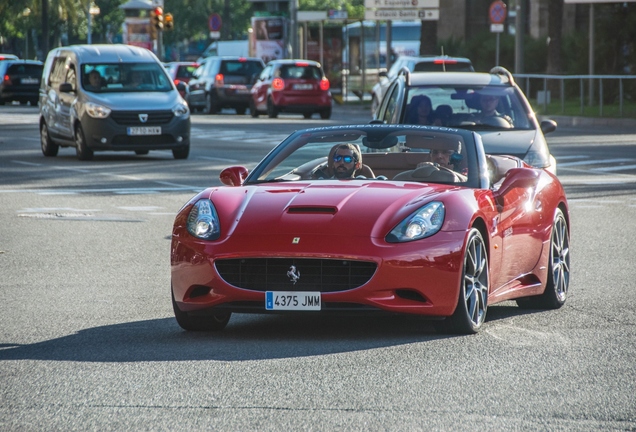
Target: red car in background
(181, 72)
(296, 86)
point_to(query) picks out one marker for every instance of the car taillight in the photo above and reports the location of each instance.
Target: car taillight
(302, 64)
(324, 84)
(278, 84)
(7, 80)
(218, 79)
(440, 61)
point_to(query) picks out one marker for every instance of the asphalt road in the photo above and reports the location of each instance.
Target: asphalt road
(88, 340)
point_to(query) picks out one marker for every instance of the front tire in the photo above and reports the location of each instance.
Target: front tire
(558, 283)
(472, 305)
(214, 322)
(49, 148)
(81, 148)
(181, 153)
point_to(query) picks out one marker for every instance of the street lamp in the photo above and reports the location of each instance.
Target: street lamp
(93, 9)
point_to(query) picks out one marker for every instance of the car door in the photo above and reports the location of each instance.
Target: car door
(67, 102)
(520, 226)
(197, 85)
(261, 87)
(53, 110)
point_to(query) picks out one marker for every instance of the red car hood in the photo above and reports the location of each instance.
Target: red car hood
(339, 208)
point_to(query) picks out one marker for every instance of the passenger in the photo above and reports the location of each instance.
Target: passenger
(421, 112)
(136, 79)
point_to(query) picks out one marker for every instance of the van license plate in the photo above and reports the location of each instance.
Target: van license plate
(292, 300)
(145, 130)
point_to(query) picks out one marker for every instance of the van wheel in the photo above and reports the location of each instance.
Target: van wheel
(181, 153)
(81, 148)
(49, 148)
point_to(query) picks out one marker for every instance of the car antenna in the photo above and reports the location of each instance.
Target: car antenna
(443, 62)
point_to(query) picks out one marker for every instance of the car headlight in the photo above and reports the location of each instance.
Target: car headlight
(203, 222)
(180, 109)
(425, 222)
(97, 111)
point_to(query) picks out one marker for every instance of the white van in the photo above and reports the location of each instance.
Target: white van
(110, 97)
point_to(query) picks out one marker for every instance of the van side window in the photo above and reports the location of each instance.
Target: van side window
(71, 77)
(58, 72)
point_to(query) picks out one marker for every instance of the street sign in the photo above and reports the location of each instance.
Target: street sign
(401, 4)
(402, 14)
(214, 22)
(497, 12)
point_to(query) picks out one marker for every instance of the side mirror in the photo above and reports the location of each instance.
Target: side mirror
(548, 126)
(66, 88)
(233, 176)
(519, 178)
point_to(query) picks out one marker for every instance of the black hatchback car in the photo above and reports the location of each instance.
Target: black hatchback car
(223, 82)
(20, 81)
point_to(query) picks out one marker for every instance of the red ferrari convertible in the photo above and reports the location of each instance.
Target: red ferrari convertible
(373, 218)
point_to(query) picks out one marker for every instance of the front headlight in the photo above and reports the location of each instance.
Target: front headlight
(203, 222)
(425, 222)
(180, 109)
(97, 111)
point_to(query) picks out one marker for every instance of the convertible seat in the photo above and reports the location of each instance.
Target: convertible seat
(431, 173)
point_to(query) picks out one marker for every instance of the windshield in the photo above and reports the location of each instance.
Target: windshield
(428, 155)
(481, 107)
(125, 77)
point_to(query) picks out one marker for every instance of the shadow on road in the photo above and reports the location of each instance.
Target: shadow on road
(247, 337)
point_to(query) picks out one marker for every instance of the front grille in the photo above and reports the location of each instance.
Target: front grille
(131, 118)
(271, 274)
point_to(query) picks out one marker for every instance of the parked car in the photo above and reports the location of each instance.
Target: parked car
(110, 97)
(20, 81)
(416, 64)
(401, 234)
(456, 98)
(296, 86)
(223, 82)
(181, 72)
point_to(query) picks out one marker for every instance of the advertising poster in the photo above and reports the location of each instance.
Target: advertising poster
(269, 37)
(136, 32)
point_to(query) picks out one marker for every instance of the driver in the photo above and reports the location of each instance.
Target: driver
(342, 163)
(488, 105)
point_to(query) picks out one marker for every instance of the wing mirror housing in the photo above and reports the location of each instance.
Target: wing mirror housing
(233, 176)
(519, 178)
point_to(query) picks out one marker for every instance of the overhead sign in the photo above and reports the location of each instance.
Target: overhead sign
(402, 14)
(401, 4)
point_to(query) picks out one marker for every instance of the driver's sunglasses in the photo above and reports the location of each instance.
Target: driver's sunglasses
(346, 159)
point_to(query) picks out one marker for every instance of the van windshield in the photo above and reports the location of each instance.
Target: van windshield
(125, 77)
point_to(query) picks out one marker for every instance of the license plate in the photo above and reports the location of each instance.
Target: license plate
(145, 130)
(242, 90)
(292, 300)
(29, 81)
(303, 86)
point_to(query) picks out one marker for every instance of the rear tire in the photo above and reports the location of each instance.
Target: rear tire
(325, 114)
(241, 111)
(141, 152)
(557, 285)
(81, 148)
(272, 111)
(49, 148)
(210, 105)
(214, 322)
(307, 115)
(253, 111)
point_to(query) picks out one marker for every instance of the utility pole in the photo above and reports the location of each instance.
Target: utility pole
(520, 32)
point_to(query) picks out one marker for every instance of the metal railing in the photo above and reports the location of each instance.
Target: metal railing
(590, 79)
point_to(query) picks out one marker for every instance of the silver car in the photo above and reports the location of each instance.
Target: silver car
(110, 97)
(458, 100)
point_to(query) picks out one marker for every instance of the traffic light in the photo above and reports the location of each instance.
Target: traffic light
(168, 22)
(153, 29)
(157, 18)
